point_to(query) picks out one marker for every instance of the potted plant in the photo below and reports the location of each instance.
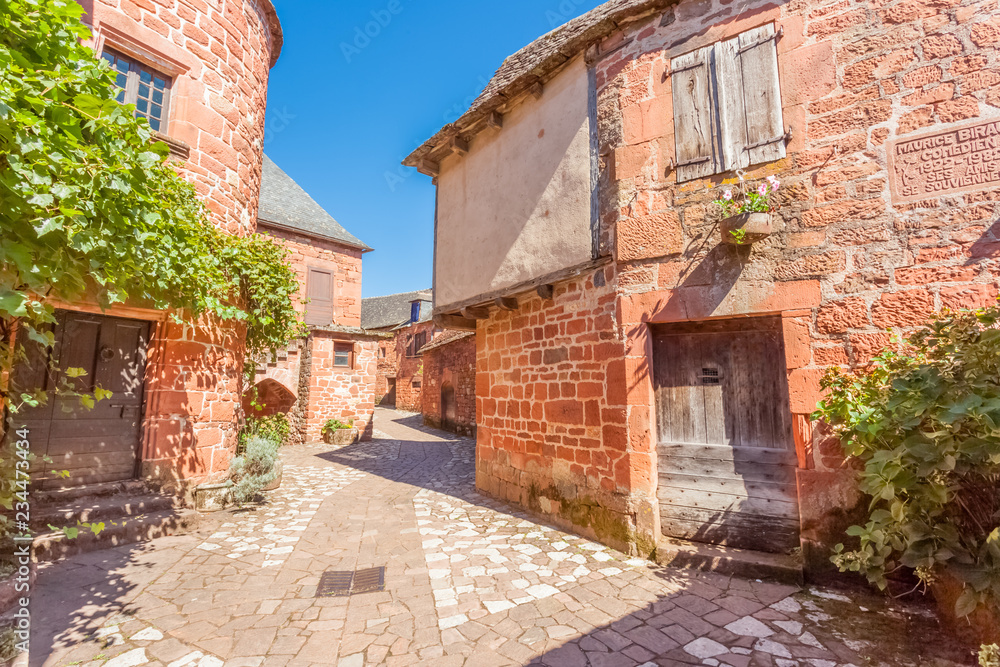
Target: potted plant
(747, 211)
(336, 432)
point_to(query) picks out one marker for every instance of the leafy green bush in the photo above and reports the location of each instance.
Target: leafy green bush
(337, 425)
(273, 427)
(924, 421)
(254, 469)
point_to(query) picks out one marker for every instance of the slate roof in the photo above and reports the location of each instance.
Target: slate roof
(283, 203)
(393, 310)
(538, 62)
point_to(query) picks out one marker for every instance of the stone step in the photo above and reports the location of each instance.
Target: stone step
(69, 494)
(100, 508)
(780, 568)
(51, 546)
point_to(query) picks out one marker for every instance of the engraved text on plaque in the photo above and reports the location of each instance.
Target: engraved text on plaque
(965, 158)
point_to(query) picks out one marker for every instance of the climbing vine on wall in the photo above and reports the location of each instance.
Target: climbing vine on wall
(91, 210)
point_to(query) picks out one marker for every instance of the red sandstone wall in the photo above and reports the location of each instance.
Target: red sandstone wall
(453, 363)
(288, 370)
(408, 370)
(552, 411)
(339, 393)
(345, 263)
(219, 60)
(848, 261)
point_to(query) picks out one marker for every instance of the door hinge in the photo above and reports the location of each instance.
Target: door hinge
(786, 137)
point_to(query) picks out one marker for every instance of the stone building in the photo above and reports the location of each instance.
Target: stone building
(199, 73)
(639, 376)
(448, 399)
(330, 374)
(406, 318)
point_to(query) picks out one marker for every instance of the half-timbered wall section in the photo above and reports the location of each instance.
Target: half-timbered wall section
(880, 120)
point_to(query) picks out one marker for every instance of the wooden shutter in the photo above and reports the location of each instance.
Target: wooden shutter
(319, 291)
(732, 109)
(758, 58)
(694, 127)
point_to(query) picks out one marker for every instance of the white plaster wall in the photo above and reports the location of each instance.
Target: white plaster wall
(518, 206)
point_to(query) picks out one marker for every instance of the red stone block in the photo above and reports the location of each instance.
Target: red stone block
(840, 316)
(901, 309)
(564, 412)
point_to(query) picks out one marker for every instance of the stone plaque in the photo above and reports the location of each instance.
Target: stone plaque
(963, 158)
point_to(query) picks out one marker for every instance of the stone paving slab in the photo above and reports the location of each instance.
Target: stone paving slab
(470, 581)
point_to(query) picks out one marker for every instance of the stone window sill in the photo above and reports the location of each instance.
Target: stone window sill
(178, 148)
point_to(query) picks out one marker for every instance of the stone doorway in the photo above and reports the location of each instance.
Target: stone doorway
(726, 454)
(93, 445)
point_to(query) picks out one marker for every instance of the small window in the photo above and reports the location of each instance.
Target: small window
(414, 312)
(142, 86)
(417, 342)
(343, 355)
(727, 105)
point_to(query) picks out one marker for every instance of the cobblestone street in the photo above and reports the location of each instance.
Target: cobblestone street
(469, 581)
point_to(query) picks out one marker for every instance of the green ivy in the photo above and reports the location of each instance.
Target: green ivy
(924, 422)
(91, 209)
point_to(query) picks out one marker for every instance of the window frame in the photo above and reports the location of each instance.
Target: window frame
(130, 93)
(339, 347)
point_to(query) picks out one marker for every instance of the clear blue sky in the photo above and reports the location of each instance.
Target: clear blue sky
(344, 109)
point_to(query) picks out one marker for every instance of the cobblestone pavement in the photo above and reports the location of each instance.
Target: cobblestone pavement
(469, 581)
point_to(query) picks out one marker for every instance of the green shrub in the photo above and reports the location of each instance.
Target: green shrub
(254, 469)
(924, 422)
(274, 427)
(337, 425)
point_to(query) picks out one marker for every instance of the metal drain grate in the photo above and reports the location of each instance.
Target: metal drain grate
(342, 584)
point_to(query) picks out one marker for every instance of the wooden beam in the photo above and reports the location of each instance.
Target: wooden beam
(429, 167)
(460, 146)
(546, 291)
(454, 322)
(476, 312)
(536, 90)
(506, 302)
(495, 120)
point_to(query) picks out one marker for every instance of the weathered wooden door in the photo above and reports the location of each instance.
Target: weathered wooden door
(94, 445)
(726, 456)
(449, 407)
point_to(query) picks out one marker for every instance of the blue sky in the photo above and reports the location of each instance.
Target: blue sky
(345, 107)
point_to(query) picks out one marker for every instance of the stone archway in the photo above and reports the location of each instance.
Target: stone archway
(273, 396)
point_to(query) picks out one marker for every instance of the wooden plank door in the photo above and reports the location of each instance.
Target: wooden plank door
(94, 445)
(726, 457)
(319, 291)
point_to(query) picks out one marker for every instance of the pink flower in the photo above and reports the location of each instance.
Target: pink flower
(727, 195)
(762, 189)
(775, 184)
